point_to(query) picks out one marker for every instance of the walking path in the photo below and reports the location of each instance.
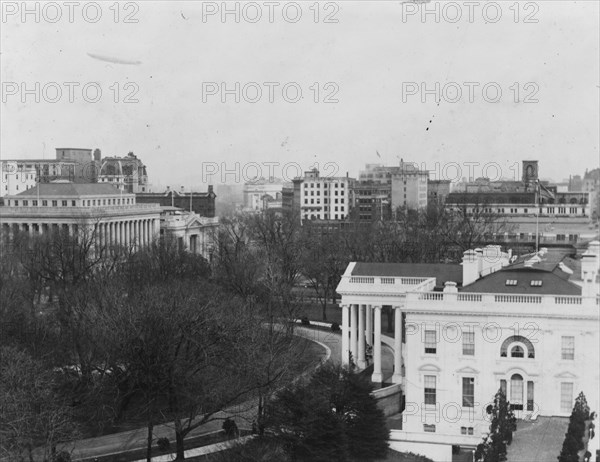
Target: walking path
(538, 440)
(117, 443)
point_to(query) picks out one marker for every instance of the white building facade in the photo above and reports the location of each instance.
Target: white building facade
(192, 232)
(454, 348)
(114, 216)
(16, 177)
(323, 197)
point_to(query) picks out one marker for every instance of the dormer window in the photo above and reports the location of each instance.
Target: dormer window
(536, 283)
(511, 282)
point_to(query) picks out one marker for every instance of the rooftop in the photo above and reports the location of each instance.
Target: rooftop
(443, 272)
(72, 190)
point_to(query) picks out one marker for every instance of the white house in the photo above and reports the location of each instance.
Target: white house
(528, 326)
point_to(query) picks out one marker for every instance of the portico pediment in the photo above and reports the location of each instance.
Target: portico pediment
(565, 375)
(429, 368)
(467, 370)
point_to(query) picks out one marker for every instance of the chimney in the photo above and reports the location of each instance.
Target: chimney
(471, 262)
(589, 270)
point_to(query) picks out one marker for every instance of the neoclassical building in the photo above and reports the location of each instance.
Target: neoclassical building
(528, 326)
(114, 215)
(192, 232)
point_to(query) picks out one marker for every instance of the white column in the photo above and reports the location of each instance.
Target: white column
(138, 237)
(397, 377)
(353, 333)
(345, 327)
(369, 325)
(145, 232)
(361, 337)
(377, 376)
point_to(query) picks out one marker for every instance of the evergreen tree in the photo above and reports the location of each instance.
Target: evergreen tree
(573, 442)
(503, 424)
(332, 418)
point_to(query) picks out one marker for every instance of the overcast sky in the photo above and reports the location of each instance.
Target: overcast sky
(370, 57)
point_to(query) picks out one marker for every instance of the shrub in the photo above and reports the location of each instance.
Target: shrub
(163, 444)
(335, 327)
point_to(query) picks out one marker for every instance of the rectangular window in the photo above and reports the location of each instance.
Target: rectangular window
(429, 428)
(430, 342)
(469, 343)
(64, 203)
(568, 347)
(73, 203)
(503, 386)
(530, 396)
(25, 203)
(54, 203)
(566, 396)
(44, 203)
(35, 203)
(466, 430)
(430, 391)
(16, 203)
(468, 391)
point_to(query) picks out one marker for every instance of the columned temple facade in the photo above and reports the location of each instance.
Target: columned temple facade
(112, 216)
(528, 326)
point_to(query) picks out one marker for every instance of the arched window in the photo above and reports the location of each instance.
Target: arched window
(517, 352)
(516, 392)
(523, 348)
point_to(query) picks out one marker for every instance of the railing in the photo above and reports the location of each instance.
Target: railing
(518, 298)
(388, 280)
(431, 296)
(469, 297)
(362, 280)
(504, 299)
(568, 300)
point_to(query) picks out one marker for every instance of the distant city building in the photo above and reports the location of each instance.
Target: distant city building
(192, 232)
(201, 203)
(48, 170)
(321, 197)
(16, 177)
(381, 190)
(437, 191)
(529, 206)
(264, 194)
(114, 215)
(127, 173)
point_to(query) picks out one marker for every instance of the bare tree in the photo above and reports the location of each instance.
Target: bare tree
(33, 418)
